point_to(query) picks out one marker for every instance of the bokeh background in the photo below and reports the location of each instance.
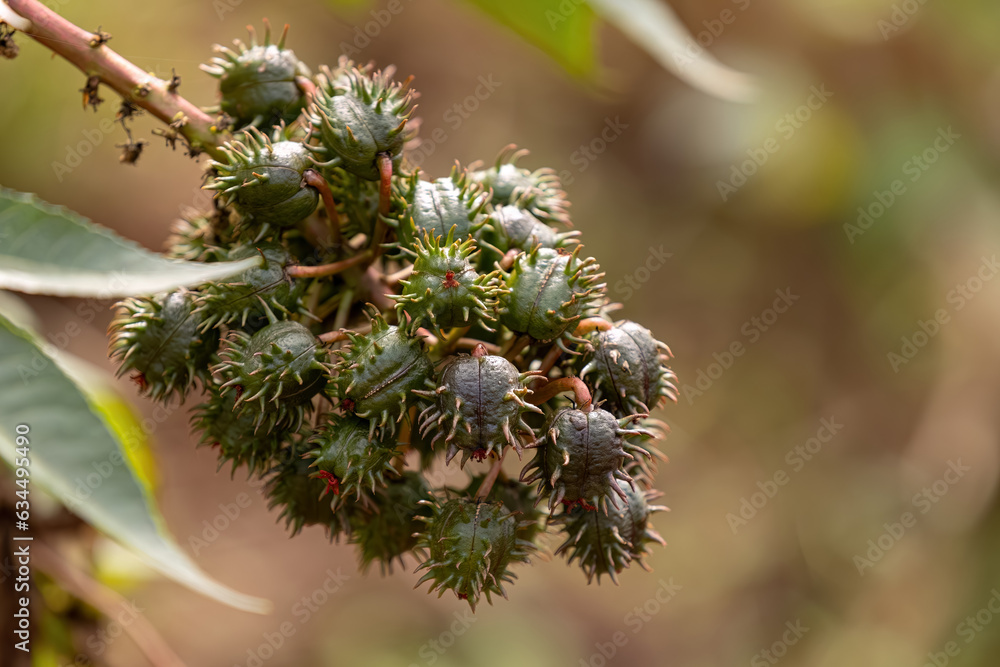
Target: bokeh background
(793, 465)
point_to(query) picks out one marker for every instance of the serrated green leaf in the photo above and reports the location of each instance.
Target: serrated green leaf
(46, 249)
(83, 460)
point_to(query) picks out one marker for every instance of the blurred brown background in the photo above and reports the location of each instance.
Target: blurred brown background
(875, 543)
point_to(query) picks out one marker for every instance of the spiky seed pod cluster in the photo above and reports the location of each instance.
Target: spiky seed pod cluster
(445, 290)
(479, 265)
(539, 192)
(378, 371)
(515, 228)
(196, 237)
(359, 117)
(478, 407)
(263, 180)
(549, 290)
(606, 544)
(258, 84)
(385, 529)
(235, 435)
(345, 458)
(158, 340)
(582, 461)
(253, 292)
(274, 373)
(302, 498)
(628, 368)
(446, 206)
(471, 546)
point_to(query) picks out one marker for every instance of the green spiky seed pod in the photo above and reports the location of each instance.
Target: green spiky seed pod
(385, 531)
(445, 290)
(195, 238)
(357, 201)
(337, 80)
(346, 459)
(378, 371)
(436, 207)
(254, 291)
(158, 340)
(549, 291)
(519, 498)
(221, 425)
(470, 546)
(263, 181)
(359, 117)
(627, 366)
(582, 461)
(258, 84)
(608, 543)
(511, 227)
(274, 373)
(303, 499)
(538, 192)
(478, 407)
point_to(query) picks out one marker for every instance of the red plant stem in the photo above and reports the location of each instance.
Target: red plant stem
(128, 80)
(586, 325)
(384, 163)
(550, 360)
(554, 387)
(516, 346)
(491, 477)
(313, 179)
(324, 270)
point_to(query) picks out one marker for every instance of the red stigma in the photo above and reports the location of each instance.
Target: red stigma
(449, 279)
(347, 404)
(140, 380)
(480, 454)
(579, 502)
(332, 483)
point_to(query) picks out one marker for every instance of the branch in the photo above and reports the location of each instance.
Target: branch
(128, 80)
(106, 601)
(554, 387)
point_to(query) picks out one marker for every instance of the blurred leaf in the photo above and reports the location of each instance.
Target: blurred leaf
(83, 459)
(46, 249)
(561, 28)
(653, 25)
